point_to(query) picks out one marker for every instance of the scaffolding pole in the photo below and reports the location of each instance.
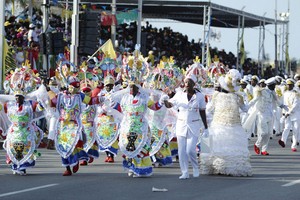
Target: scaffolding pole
(206, 33)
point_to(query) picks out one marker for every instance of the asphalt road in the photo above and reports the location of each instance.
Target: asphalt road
(275, 177)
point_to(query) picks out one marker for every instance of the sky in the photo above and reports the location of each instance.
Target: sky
(228, 39)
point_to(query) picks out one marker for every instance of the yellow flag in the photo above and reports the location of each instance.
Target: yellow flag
(108, 49)
(242, 49)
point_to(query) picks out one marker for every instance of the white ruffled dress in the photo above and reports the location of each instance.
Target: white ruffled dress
(229, 154)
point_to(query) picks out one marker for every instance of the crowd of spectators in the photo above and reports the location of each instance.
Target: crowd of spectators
(24, 34)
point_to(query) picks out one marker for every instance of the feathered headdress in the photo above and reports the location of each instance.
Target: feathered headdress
(24, 80)
(197, 72)
(134, 68)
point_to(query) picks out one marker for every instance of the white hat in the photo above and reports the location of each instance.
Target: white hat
(290, 81)
(192, 77)
(271, 81)
(254, 77)
(231, 80)
(262, 81)
(244, 81)
(31, 25)
(278, 78)
(109, 80)
(296, 76)
(247, 77)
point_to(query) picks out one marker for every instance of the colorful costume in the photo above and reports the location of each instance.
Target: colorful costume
(135, 137)
(160, 149)
(87, 116)
(23, 136)
(68, 139)
(106, 126)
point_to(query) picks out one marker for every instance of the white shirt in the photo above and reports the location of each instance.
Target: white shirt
(32, 34)
(188, 116)
(291, 100)
(265, 101)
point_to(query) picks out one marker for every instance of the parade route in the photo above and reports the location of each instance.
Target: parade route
(274, 177)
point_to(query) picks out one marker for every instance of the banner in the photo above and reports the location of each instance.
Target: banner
(5, 51)
(127, 16)
(8, 60)
(242, 49)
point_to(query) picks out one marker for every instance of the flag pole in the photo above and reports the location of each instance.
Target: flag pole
(2, 16)
(75, 33)
(139, 27)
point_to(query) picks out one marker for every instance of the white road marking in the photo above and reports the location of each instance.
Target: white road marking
(27, 190)
(291, 183)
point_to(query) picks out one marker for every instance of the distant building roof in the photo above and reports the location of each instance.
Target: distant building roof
(190, 12)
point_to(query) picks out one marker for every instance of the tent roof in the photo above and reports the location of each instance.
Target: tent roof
(190, 12)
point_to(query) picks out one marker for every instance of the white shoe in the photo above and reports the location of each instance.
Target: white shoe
(196, 173)
(184, 176)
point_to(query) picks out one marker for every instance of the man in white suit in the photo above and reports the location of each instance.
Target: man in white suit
(263, 105)
(191, 105)
(292, 116)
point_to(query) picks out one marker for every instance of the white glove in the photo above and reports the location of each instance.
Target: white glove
(162, 99)
(205, 133)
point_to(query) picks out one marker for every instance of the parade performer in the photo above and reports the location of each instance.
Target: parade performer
(52, 114)
(229, 154)
(87, 118)
(134, 134)
(68, 137)
(262, 106)
(23, 135)
(292, 116)
(278, 117)
(107, 121)
(191, 106)
(161, 121)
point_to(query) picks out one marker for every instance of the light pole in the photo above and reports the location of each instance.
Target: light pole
(113, 25)
(139, 26)
(75, 33)
(2, 16)
(276, 60)
(285, 17)
(45, 27)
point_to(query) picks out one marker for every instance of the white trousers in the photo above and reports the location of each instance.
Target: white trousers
(264, 131)
(290, 125)
(278, 124)
(187, 152)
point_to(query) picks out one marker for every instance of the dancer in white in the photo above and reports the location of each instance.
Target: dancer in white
(229, 154)
(263, 106)
(292, 116)
(191, 105)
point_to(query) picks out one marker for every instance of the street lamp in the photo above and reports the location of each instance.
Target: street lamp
(284, 16)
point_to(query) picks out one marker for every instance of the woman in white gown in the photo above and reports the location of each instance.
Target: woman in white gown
(229, 154)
